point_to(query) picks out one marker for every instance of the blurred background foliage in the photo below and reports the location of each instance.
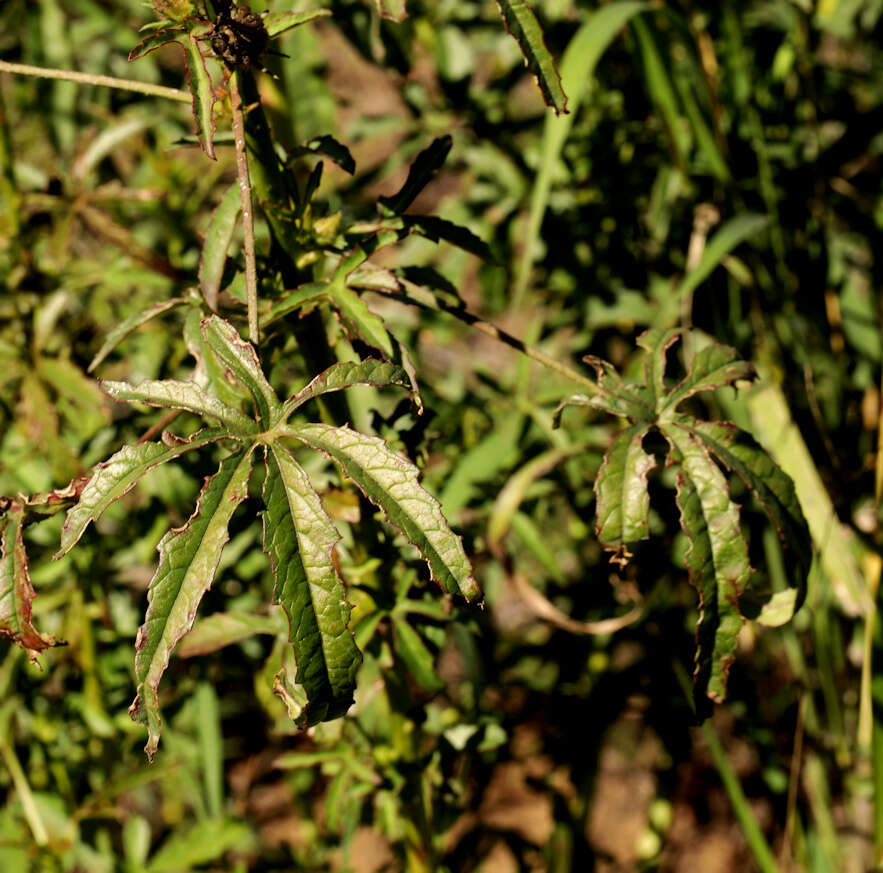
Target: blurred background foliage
(720, 170)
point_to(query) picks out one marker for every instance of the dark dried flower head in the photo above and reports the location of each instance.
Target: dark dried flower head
(239, 37)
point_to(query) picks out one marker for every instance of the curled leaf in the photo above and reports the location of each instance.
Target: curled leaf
(188, 560)
(202, 93)
(16, 591)
(717, 559)
(623, 502)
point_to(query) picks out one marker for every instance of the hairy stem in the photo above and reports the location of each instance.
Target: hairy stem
(251, 273)
(92, 79)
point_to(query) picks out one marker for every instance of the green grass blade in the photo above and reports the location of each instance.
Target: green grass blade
(661, 89)
(736, 231)
(222, 629)
(839, 548)
(757, 843)
(191, 846)
(127, 325)
(415, 656)
(513, 492)
(211, 750)
(705, 140)
(577, 65)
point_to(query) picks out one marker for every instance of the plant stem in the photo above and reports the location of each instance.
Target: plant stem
(434, 305)
(251, 273)
(92, 79)
(159, 427)
(25, 797)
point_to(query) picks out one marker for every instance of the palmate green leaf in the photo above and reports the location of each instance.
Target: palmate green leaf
(127, 325)
(202, 92)
(392, 483)
(119, 474)
(187, 396)
(188, 560)
(415, 656)
(16, 591)
(737, 230)
(344, 375)
(218, 236)
(699, 561)
(718, 558)
(521, 22)
(300, 539)
(51, 502)
(242, 361)
(623, 502)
